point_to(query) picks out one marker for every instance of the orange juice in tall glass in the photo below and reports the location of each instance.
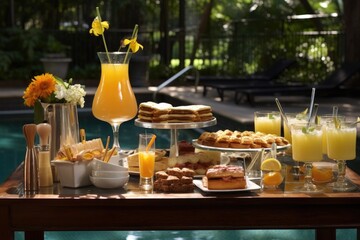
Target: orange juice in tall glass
(114, 101)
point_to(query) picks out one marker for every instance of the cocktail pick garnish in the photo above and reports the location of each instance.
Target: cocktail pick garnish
(106, 147)
(282, 112)
(152, 140)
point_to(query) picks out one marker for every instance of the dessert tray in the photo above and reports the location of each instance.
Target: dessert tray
(251, 186)
(210, 148)
(183, 125)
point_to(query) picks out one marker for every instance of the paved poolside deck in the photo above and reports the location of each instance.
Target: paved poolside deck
(242, 113)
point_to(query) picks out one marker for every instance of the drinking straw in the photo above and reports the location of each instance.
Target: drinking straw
(315, 110)
(335, 111)
(106, 147)
(107, 158)
(150, 143)
(282, 112)
(311, 103)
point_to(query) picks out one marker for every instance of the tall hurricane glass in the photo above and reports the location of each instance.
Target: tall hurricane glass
(114, 101)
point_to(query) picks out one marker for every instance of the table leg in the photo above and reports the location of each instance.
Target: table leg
(5, 228)
(325, 234)
(34, 235)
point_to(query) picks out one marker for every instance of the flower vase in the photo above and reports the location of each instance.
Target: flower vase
(63, 118)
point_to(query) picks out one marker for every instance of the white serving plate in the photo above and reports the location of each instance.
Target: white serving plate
(210, 148)
(250, 187)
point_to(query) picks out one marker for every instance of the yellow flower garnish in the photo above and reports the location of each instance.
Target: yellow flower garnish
(97, 27)
(41, 87)
(133, 44)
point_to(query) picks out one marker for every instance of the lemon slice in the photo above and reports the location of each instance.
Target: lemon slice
(271, 164)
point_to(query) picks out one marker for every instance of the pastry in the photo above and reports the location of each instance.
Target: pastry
(221, 177)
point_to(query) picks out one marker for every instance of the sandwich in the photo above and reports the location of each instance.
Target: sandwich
(222, 177)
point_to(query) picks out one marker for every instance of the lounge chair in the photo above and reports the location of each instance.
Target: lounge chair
(332, 85)
(265, 78)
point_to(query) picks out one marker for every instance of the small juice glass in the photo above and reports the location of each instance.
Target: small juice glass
(146, 161)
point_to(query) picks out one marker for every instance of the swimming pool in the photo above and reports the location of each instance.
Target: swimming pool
(13, 146)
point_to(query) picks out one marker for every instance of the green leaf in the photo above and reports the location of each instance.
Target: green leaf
(307, 130)
(38, 113)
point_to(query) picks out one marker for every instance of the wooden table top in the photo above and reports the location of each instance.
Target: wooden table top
(90, 208)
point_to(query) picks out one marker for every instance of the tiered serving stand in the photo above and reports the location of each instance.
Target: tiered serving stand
(174, 127)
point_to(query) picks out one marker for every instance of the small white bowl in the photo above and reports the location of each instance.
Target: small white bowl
(101, 182)
(99, 165)
(109, 174)
(73, 174)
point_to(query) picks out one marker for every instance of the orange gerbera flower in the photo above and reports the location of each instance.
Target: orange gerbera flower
(29, 96)
(41, 87)
(44, 85)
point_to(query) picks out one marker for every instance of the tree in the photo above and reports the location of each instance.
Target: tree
(352, 32)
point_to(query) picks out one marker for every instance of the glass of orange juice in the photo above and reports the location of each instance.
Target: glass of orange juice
(307, 148)
(267, 122)
(341, 146)
(114, 101)
(146, 161)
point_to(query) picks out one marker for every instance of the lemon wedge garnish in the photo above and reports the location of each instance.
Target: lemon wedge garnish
(271, 164)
